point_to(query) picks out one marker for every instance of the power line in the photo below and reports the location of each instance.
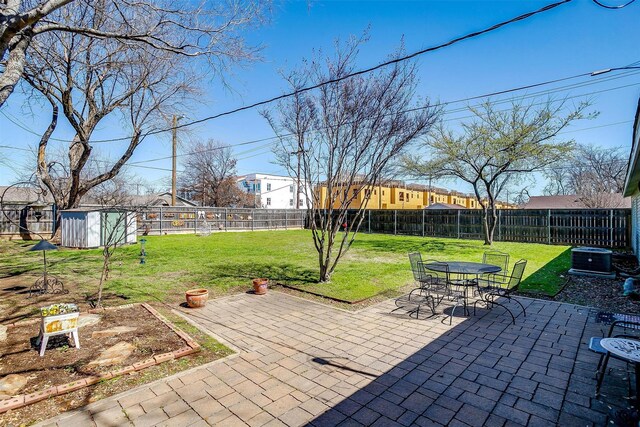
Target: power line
(564, 99)
(355, 73)
(550, 91)
(95, 160)
(536, 94)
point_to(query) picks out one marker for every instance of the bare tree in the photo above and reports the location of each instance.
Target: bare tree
(344, 134)
(117, 223)
(203, 29)
(209, 176)
(595, 174)
(496, 147)
(91, 79)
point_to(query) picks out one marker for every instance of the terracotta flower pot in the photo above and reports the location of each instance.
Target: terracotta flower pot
(197, 297)
(260, 286)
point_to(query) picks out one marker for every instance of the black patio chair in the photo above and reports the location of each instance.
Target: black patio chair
(500, 259)
(432, 288)
(421, 295)
(445, 284)
(594, 345)
(490, 289)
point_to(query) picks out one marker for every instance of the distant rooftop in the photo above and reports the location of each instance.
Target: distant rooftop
(573, 201)
(444, 206)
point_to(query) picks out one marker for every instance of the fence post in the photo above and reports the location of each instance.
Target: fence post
(611, 233)
(549, 226)
(369, 220)
(422, 222)
(161, 220)
(458, 223)
(195, 220)
(253, 219)
(285, 219)
(395, 221)
(225, 219)
(499, 223)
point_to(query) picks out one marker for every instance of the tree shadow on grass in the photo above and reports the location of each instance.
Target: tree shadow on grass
(281, 273)
(425, 246)
(76, 263)
(542, 280)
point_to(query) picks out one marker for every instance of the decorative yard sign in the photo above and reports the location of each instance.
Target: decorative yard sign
(58, 319)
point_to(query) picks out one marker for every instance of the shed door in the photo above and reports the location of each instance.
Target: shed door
(114, 228)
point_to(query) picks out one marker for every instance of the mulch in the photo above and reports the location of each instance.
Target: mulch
(605, 294)
(602, 293)
(63, 363)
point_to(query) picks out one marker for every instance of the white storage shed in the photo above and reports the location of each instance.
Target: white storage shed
(92, 228)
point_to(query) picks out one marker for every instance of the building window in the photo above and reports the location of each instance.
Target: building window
(345, 194)
(355, 193)
(401, 196)
(291, 189)
(258, 187)
(375, 192)
(300, 202)
(290, 202)
(268, 201)
(268, 187)
(383, 192)
(367, 193)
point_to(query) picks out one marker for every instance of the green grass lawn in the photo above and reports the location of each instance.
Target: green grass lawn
(222, 262)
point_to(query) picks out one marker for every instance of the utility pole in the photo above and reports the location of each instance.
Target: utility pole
(174, 143)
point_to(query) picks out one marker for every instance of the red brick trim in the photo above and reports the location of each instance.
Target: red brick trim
(24, 400)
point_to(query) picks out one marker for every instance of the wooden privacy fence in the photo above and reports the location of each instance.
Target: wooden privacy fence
(172, 220)
(576, 227)
(26, 220)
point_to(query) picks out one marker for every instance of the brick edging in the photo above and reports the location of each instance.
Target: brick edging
(27, 399)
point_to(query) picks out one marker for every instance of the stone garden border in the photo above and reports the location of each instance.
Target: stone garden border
(26, 399)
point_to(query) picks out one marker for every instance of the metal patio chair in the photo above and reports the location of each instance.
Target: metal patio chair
(432, 288)
(500, 259)
(444, 284)
(492, 288)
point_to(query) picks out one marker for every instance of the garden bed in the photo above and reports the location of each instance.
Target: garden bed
(148, 347)
(605, 294)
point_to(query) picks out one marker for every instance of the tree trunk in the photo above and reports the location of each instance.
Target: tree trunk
(325, 276)
(488, 232)
(103, 276)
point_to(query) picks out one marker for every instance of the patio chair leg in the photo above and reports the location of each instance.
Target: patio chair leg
(453, 310)
(508, 311)
(601, 372)
(519, 303)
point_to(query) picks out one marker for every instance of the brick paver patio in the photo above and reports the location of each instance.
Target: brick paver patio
(301, 362)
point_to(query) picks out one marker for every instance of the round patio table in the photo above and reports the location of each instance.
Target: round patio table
(463, 268)
(625, 349)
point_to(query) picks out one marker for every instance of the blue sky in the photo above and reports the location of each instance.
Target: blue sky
(574, 38)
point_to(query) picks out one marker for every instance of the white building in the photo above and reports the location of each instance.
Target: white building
(274, 191)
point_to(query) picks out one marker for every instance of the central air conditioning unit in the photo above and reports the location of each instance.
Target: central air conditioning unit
(591, 262)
